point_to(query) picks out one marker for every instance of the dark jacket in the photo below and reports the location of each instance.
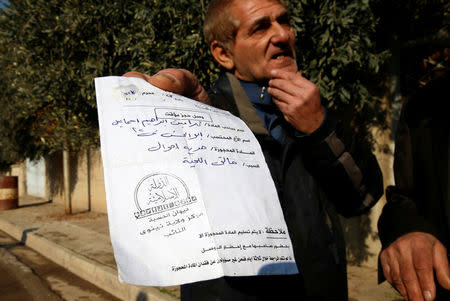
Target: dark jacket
(316, 176)
(419, 201)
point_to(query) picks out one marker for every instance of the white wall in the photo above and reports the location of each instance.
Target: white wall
(36, 178)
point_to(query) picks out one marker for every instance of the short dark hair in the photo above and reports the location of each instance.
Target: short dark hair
(220, 24)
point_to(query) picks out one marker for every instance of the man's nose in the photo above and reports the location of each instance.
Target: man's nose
(280, 33)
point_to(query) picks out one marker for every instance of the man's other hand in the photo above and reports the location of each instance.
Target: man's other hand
(298, 99)
(178, 81)
(409, 264)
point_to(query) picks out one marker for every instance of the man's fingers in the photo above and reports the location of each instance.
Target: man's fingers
(138, 75)
(409, 264)
(283, 85)
(408, 273)
(283, 74)
(395, 275)
(386, 266)
(298, 100)
(182, 82)
(440, 263)
(280, 95)
(423, 265)
(178, 81)
(163, 80)
(167, 82)
(399, 268)
(285, 82)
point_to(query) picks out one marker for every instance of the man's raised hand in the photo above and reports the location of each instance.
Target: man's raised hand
(298, 99)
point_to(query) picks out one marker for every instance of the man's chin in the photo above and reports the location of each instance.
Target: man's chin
(286, 64)
(289, 68)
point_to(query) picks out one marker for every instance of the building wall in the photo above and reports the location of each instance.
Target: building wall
(79, 182)
(87, 189)
(20, 171)
(36, 178)
(55, 181)
(97, 184)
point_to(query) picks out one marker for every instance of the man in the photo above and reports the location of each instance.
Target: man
(414, 226)
(314, 171)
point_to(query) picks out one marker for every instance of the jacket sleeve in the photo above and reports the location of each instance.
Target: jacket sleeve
(346, 168)
(401, 199)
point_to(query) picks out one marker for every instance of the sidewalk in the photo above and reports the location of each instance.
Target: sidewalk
(81, 244)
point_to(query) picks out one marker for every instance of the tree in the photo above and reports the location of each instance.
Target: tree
(13, 133)
(336, 49)
(416, 32)
(56, 48)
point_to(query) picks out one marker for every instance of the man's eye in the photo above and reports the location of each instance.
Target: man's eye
(261, 27)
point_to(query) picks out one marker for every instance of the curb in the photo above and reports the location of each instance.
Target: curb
(100, 275)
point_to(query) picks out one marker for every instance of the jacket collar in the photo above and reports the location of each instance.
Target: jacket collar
(230, 86)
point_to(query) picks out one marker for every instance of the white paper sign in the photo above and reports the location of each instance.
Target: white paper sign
(189, 194)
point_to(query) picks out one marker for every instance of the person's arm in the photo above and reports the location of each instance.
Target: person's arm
(347, 170)
(179, 81)
(411, 251)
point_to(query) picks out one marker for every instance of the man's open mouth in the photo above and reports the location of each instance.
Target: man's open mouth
(282, 55)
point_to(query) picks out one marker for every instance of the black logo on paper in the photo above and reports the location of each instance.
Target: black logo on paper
(160, 192)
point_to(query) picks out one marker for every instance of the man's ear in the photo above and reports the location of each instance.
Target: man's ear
(222, 55)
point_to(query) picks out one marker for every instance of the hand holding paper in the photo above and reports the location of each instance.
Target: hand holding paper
(180, 81)
(189, 195)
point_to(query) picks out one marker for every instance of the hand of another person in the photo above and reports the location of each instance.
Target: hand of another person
(409, 264)
(179, 81)
(298, 100)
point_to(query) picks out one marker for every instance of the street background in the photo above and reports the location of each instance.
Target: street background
(80, 243)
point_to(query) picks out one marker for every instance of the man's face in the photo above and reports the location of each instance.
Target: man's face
(264, 40)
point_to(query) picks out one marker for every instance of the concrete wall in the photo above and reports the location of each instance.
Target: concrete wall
(35, 178)
(97, 184)
(87, 189)
(20, 170)
(79, 182)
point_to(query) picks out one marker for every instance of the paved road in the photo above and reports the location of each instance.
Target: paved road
(27, 275)
(81, 243)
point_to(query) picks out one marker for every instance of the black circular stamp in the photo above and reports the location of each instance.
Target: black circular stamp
(159, 192)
